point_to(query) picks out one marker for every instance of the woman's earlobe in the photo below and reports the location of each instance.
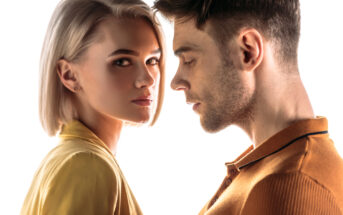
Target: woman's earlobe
(67, 75)
(77, 88)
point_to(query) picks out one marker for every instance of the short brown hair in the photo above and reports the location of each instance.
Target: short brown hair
(277, 20)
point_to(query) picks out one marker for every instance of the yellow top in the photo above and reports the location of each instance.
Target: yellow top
(79, 176)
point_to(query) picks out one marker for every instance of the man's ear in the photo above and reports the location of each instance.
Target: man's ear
(250, 42)
(68, 75)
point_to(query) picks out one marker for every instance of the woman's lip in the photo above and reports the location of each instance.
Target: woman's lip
(143, 102)
(145, 97)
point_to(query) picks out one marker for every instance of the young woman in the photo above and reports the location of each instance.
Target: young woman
(102, 66)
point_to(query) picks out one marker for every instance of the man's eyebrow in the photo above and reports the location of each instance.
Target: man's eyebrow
(183, 49)
(131, 52)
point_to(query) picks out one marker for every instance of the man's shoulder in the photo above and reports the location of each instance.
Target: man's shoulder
(312, 162)
(291, 193)
(324, 165)
(315, 156)
(321, 158)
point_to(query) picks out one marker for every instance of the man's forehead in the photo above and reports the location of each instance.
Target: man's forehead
(182, 30)
(187, 34)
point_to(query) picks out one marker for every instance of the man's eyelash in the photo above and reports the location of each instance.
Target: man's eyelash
(188, 62)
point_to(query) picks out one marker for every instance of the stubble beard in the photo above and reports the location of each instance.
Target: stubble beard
(229, 103)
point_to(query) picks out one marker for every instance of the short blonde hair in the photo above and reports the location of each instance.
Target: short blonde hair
(69, 34)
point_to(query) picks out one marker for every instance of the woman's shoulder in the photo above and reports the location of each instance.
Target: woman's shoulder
(79, 150)
(87, 164)
(77, 159)
(77, 145)
(75, 171)
(84, 180)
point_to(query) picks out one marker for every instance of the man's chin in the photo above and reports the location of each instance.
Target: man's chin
(212, 125)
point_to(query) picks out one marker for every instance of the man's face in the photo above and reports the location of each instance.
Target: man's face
(210, 79)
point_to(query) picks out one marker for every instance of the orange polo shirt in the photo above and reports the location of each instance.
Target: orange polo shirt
(295, 172)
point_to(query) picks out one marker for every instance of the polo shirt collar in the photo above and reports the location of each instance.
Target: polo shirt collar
(279, 140)
(77, 130)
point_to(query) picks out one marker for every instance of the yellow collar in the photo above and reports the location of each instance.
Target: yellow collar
(77, 130)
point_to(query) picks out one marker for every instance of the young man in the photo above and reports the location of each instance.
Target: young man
(238, 65)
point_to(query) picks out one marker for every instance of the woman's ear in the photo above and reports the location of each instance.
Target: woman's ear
(251, 49)
(68, 75)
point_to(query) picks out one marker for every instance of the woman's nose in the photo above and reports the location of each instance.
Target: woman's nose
(145, 78)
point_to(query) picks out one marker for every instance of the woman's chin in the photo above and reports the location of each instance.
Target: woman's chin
(140, 119)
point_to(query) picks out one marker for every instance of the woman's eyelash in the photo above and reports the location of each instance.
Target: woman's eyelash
(153, 59)
(122, 62)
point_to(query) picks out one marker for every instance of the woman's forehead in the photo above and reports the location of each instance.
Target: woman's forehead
(126, 33)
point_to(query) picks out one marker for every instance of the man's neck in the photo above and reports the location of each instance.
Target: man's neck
(277, 109)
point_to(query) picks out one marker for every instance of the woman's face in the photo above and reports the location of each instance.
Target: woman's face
(119, 74)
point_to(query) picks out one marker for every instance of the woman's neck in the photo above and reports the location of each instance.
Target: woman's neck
(106, 128)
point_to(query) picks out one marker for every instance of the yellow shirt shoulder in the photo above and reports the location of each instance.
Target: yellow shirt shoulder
(79, 176)
(85, 184)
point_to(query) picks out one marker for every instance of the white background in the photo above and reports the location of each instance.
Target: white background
(174, 167)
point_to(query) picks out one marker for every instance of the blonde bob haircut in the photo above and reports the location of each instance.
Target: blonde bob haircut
(70, 32)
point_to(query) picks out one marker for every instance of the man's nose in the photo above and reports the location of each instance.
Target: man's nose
(179, 82)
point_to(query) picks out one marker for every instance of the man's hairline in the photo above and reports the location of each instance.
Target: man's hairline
(211, 32)
(173, 18)
(205, 27)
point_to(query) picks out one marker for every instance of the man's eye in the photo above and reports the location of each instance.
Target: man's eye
(153, 61)
(122, 62)
(188, 62)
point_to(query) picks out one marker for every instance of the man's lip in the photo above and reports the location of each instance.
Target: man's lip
(191, 102)
(196, 107)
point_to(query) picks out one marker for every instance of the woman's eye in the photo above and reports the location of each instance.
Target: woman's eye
(122, 62)
(153, 61)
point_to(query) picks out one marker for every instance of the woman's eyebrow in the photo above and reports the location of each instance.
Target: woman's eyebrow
(131, 52)
(124, 51)
(157, 51)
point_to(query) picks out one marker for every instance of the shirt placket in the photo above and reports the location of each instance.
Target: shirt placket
(232, 172)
